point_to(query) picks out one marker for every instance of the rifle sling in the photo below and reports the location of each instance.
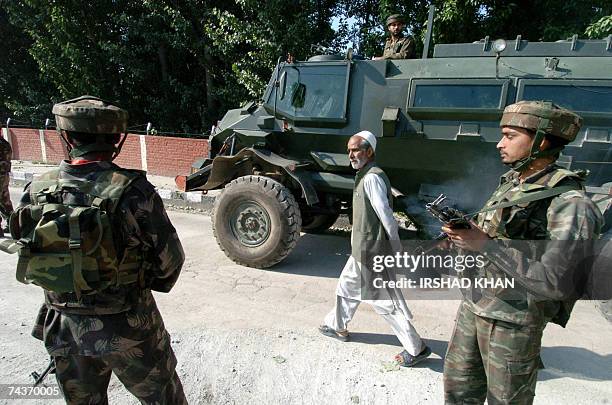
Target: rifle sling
(535, 196)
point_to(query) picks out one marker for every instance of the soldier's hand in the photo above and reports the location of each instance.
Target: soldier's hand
(444, 244)
(473, 239)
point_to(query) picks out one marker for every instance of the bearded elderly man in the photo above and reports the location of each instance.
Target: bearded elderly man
(372, 215)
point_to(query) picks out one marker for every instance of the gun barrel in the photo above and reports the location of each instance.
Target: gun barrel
(441, 236)
(40, 377)
(439, 200)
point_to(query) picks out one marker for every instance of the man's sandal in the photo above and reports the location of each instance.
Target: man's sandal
(342, 336)
(405, 359)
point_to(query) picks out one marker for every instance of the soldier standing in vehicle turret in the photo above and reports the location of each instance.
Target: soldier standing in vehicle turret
(494, 352)
(92, 333)
(397, 46)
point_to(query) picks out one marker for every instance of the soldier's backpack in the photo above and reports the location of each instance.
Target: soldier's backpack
(66, 243)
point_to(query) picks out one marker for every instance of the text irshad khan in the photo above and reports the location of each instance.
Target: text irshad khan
(445, 283)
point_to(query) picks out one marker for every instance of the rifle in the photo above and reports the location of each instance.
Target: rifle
(38, 378)
(448, 216)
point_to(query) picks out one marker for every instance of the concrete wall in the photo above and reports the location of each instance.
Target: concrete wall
(159, 155)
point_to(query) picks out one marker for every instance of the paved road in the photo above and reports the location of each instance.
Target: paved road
(249, 336)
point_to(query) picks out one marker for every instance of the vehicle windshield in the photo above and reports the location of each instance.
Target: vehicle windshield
(317, 91)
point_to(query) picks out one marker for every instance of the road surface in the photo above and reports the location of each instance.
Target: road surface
(244, 335)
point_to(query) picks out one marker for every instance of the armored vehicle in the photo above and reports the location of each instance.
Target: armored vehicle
(282, 160)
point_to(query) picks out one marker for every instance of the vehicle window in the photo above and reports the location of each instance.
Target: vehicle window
(573, 97)
(458, 95)
(312, 92)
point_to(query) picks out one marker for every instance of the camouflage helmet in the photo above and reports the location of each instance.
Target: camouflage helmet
(90, 115)
(542, 115)
(395, 18)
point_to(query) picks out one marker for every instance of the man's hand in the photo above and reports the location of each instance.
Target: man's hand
(472, 239)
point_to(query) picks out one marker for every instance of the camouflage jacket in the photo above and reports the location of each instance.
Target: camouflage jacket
(143, 222)
(547, 273)
(402, 48)
(6, 154)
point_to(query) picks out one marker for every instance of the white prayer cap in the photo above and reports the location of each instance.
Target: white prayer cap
(368, 136)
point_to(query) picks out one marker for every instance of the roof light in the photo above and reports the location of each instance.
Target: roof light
(499, 45)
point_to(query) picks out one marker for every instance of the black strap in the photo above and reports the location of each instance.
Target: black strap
(534, 196)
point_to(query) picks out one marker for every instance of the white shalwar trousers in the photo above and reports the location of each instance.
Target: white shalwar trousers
(339, 317)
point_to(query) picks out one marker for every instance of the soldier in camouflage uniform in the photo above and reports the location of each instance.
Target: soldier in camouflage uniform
(494, 352)
(118, 329)
(397, 46)
(6, 206)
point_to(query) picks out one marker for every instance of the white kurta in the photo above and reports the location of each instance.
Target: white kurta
(349, 283)
(348, 292)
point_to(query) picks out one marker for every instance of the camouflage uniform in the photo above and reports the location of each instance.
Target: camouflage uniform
(6, 206)
(494, 352)
(401, 48)
(118, 329)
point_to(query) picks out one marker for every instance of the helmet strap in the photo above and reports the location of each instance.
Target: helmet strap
(523, 164)
(66, 143)
(117, 150)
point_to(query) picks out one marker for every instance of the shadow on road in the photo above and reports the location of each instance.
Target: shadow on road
(560, 362)
(317, 255)
(438, 347)
(575, 362)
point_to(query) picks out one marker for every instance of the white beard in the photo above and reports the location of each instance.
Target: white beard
(358, 164)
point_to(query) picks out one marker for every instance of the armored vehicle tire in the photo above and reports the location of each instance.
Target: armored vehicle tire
(256, 221)
(318, 223)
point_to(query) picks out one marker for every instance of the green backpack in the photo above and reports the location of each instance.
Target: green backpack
(67, 242)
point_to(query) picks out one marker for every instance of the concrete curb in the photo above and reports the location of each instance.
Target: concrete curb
(190, 201)
(173, 199)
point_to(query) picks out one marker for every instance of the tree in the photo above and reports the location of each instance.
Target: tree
(460, 21)
(179, 64)
(252, 36)
(600, 28)
(182, 64)
(24, 93)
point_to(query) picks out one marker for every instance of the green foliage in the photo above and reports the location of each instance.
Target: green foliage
(182, 64)
(24, 93)
(254, 35)
(471, 20)
(600, 28)
(541, 20)
(179, 64)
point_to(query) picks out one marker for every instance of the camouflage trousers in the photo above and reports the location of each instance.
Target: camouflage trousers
(6, 206)
(151, 377)
(490, 359)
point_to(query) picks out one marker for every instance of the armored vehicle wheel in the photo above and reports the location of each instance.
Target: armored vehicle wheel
(318, 223)
(256, 221)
